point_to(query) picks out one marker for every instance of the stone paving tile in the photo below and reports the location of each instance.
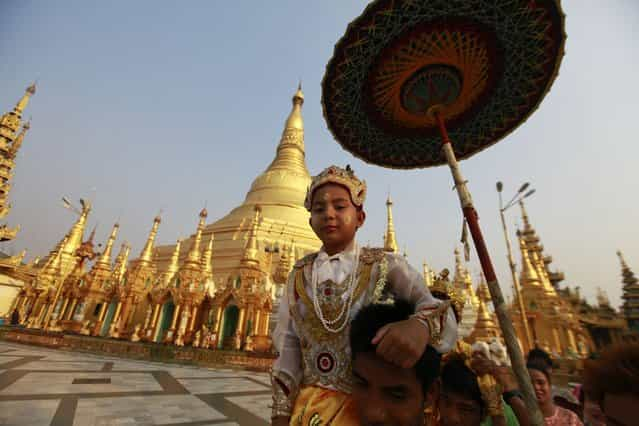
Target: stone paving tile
(62, 365)
(61, 383)
(144, 410)
(254, 404)
(25, 413)
(4, 359)
(226, 385)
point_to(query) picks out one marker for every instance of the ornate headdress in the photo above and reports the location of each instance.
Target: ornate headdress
(345, 177)
(443, 289)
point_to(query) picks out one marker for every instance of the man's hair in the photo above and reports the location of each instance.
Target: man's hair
(540, 356)
(459, 379)
(373, 317)
(540, 365)
(615, 372)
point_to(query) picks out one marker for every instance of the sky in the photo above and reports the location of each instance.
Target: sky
(146, 106)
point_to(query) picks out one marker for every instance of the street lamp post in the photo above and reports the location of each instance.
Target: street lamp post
(520, 195)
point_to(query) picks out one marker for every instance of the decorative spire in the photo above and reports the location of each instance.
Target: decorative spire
(286, 179)
(602, 298)
(390, 244)
(524, 216)
(15, 146)
(630, 294)
(119, 269)
(250, 253)
(146, 256)
(460, 271)
(483, 293)
(105, 257)
(207, 257)
(428, 275)
(174, 266)
(22, 103)
(528, 273)
(194, 254)
(542, 273)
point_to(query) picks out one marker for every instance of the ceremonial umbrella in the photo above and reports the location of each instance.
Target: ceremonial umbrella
(408, 77)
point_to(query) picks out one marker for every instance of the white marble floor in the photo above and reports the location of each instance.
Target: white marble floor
(40, 386)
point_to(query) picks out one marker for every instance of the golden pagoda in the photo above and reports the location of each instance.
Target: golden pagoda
(279, 191)
(137, 282)
(10, 143)
(13, 274)
(390, 244)
(553, 323)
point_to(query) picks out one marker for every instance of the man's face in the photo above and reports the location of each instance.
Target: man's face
(385, 394)
(620, 409)
(334, 218)
(457, 410)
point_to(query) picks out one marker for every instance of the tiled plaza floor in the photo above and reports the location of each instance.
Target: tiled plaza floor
(41, 386)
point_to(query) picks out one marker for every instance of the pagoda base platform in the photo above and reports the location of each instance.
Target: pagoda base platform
(139, 350)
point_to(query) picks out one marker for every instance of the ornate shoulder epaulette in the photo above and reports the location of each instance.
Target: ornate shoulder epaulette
(370, 255)
(306, 260)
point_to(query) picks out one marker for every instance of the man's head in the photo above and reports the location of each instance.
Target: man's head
(613, 382)
(335, 200)
(459, 401)
(384, 393)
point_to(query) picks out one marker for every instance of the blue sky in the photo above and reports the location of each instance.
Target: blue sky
(152, 105)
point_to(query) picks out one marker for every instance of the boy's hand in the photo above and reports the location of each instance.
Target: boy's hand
(402, 343)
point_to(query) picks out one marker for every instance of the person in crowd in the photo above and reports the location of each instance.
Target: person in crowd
(540, 376)
(612, 382)
(383, 393)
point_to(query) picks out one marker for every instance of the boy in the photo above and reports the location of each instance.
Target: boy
(383, 393)
(312, 376)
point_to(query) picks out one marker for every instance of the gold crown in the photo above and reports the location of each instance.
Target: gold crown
(443, 289)
(345, 177)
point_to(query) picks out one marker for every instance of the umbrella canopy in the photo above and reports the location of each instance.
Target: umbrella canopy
(485, 65)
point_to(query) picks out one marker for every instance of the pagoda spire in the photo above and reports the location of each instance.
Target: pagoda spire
(529, 274)
(174, 266)
(207, 257)
(250, 253)
(146, 256)
(194, 254)
(17, 143)
(105, 257)
(286, 179)
(119, 268)
(630, 295)
(22, 103)
(390, 244)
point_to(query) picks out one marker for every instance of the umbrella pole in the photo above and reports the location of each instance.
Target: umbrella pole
(516, 357)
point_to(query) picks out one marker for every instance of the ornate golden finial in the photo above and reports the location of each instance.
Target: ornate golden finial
(483, 293)
(194, 254)
(602, 298)
(174, 265)
(622, 259)
(92, 234)
(294, 120)
(22, 103)
(15, 146)
(250, 253)
(146, 256)
(428, 274)
(119, 269)
(390, 243)
(74, 236)
(524, 216)
(528, 273)
(105, 257)
(207, 257)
